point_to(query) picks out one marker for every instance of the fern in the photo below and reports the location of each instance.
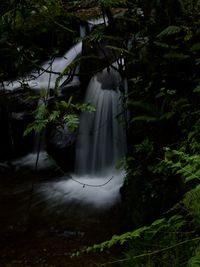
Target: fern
(191, 202)
(63, 113)
(36, 126)
(72, 122)
(195, 260)
(54, 115)
(197, 89)
(96, 35)
(71, 66)
(184, 164)
(175, 223)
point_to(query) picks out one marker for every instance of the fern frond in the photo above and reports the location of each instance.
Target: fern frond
(191, 202)
(195, 260)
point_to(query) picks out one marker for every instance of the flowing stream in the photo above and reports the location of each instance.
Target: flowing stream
(49, 71)
(67, 212)
(101, 143)
(102, 139)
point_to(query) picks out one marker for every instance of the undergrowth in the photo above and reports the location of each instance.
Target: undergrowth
(172, 240)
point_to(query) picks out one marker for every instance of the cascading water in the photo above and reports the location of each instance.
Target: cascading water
(56, 66)
(101, 139)
(101, 142)
(39, 158)
(45, 81)
(49, 71)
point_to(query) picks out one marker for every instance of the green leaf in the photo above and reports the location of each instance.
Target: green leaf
(36, 126)
(144, 118)
(194, 261)
(167, 115)
(195, 47)
(158, 222)
(176, 56)
(85, 107)
(72, 122)
(197, 89)
(169, 31)
(165, 45)
(54, 115)
(40, 112)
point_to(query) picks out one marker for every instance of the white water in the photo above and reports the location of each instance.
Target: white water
(83, 31)
(102, 139)
(44, 80)
(97, 21)
(92, 192)
(101, 142)
(29, 161)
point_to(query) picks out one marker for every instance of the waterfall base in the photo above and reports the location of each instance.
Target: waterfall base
(87, 190)
(47, 236)
(29, 161)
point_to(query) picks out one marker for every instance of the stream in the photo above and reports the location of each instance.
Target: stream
(37, 230)
(46, 215)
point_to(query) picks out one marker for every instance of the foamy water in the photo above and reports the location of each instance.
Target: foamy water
(44, 161)
(42, 79)
(96, 191)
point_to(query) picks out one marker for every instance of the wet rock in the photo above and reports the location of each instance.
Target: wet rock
(61, 146)
(15, 114)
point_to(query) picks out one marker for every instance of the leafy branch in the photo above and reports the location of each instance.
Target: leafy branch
(64, 113)
(158, 251)
(176, 222)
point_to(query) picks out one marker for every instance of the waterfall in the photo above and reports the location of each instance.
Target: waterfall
(44, 80)
(83, 31)
(101, 140)
(97, 21)
(55, 66)
(49, 71)
(101, 143)
(39, 157)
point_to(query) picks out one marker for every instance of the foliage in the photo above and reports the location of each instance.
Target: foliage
(195, 260)
(149, 232)
(112, 2)
(32, 31)
(160, 244)
(162, 163)
(64, 113)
